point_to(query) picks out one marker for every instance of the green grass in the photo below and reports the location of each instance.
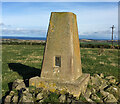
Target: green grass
(99, 43)
(53, 98)
(82, 98)
(106, 63)
(24, 62)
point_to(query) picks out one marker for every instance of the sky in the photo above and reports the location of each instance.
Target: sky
(31, 19)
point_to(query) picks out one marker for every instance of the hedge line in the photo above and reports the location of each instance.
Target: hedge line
(83, 45)
(98, 46)
(23, 43)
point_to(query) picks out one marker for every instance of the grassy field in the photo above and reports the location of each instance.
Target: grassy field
(24, 62)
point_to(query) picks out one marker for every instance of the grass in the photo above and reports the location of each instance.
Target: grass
(53, 98)
(24, 62)
(82, 98)
(106, 63)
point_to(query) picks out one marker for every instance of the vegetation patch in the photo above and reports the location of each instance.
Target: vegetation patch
(26, 61)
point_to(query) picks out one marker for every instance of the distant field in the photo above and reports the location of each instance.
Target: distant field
(84, 43)
(24, 61)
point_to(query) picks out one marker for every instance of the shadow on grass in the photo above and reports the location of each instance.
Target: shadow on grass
(25, 71)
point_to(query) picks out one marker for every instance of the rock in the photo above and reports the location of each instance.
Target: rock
(96, 81)
(87, 93)
(112, 89)
(103, 81)
(96, 76)
(117, 83)
(26, 93)
(110, 77)
(62, 98)
(101, 75)
(104, 94)
(90, 100)
(8, 99)
(39, 96)
(95, 97)
(69, 100)
(26, 99)
(18, 84)
(15, 99)
(75, 102)
(108, 92)
(110, 99)
(93, 90)
(112, 81)
(11, 93)
(103, 85)
(27, 89)
(41, 101)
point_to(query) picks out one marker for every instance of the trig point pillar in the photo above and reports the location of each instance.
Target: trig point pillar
(62, 53)
(61, 67)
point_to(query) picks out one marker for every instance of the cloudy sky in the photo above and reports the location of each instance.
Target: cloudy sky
(32, 18)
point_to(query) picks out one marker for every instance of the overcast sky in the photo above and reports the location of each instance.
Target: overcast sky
(32, 18)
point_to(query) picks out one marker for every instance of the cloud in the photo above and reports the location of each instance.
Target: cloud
(23, 32)
(106, 34)
(4, 25)
(10, 30)
(93, 19)
(37, 32)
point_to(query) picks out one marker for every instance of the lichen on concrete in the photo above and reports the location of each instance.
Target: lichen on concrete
(63, 44)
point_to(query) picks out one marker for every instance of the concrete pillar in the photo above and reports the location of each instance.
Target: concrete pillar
(62, 58)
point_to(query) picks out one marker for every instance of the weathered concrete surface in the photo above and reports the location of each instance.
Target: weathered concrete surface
(73, 87)
(63, 41)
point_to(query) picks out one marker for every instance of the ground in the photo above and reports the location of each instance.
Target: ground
(24, 62)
